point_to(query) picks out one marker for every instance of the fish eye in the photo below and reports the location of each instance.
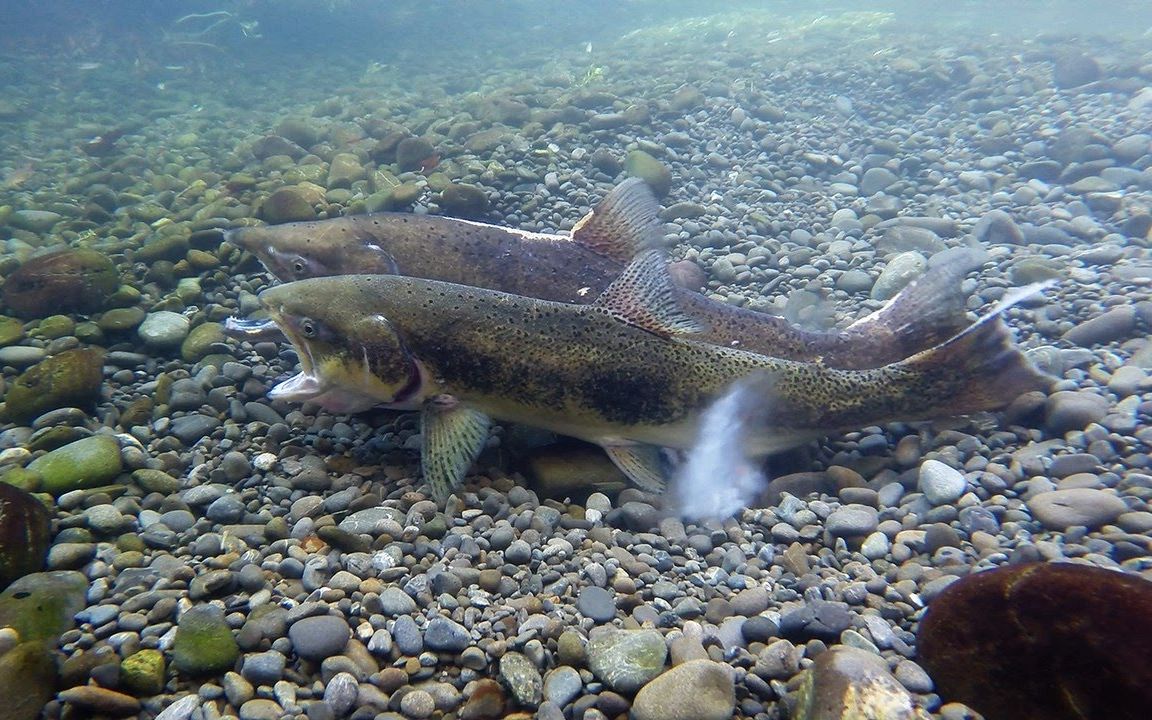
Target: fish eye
(308, 328)
(299, 266)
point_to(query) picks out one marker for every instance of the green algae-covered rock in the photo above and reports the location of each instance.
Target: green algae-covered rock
(1051, 641)
(64, 281)
(11, 330)
(288, 204)
(71, 379)
(463, 200)
(642, 165)
(23, 478)
(42, 606)
(142, 673)
(626, 660)
(121, 319)
(55, 326)
(847, 683)
(155, 481)
(28, 680)
(25, 531)
(204, 339)
(85, 463)
(204, 643)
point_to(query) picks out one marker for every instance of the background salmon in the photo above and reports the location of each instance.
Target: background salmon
(579, 268)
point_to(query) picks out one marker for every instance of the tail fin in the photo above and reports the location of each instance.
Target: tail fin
(982, 367)
(926, 313)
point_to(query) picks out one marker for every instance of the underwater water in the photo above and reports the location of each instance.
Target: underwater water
(176, 542)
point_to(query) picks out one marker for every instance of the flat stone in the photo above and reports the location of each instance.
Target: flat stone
(695, 690)
(319, 637)
(596, 603)
(626, 660)
(1062, 509)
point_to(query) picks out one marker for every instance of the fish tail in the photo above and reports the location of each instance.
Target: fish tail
(980, 368)
(925, 314)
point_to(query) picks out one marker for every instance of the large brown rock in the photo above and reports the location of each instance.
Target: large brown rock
(25, 532)
(61, 282)
(1055, 641)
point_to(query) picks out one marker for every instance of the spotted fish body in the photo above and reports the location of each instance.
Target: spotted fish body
(579, 268)
(618, 373)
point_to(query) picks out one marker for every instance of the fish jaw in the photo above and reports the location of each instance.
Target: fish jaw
(349, 363)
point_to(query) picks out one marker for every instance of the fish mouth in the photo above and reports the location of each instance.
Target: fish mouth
(306, 384)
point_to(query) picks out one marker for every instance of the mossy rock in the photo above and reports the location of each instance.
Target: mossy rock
(142, 673)
(28, 680)
(25, 532)
(642, 165)
(121, 319)
(1051, 641)
(11, 330)
(203, 339)
(170, 247)
(55, 326)
(86, 463)
(463, 200)
(286, 205)
(153, 480)
(65, 281)
(23, 478)
(204, 644)
(412, 153)
(71, 379)
(42, 606)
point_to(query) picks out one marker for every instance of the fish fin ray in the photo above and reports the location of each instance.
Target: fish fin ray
(622, 224)
(925, 313)
(641, 464)
(986, 357)
(453, 436)
(644, 296)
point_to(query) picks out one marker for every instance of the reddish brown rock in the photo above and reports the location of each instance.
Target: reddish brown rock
(61, 282)
(1055, 641)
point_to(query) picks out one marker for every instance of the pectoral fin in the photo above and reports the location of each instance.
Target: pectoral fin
(641, 464)
(453, 437)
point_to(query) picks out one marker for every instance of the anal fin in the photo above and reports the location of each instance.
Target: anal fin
(641, 464)
(453, 436)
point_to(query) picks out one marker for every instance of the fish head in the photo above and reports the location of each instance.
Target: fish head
(298, 251)
(285, 250)
(351, 356)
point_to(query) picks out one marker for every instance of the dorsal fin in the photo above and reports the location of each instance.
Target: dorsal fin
(643, 295)
(622, 224)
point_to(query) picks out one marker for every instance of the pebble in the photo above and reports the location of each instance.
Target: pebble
(562, 684)
(163, 330)
(319, 637)
(626, 660)
(1062, 509)
(263, 668)
(445, 635)
(940, 483)
(852, 521)
(522, 678)
(340, 693)
(596, 603)
(695, 690)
